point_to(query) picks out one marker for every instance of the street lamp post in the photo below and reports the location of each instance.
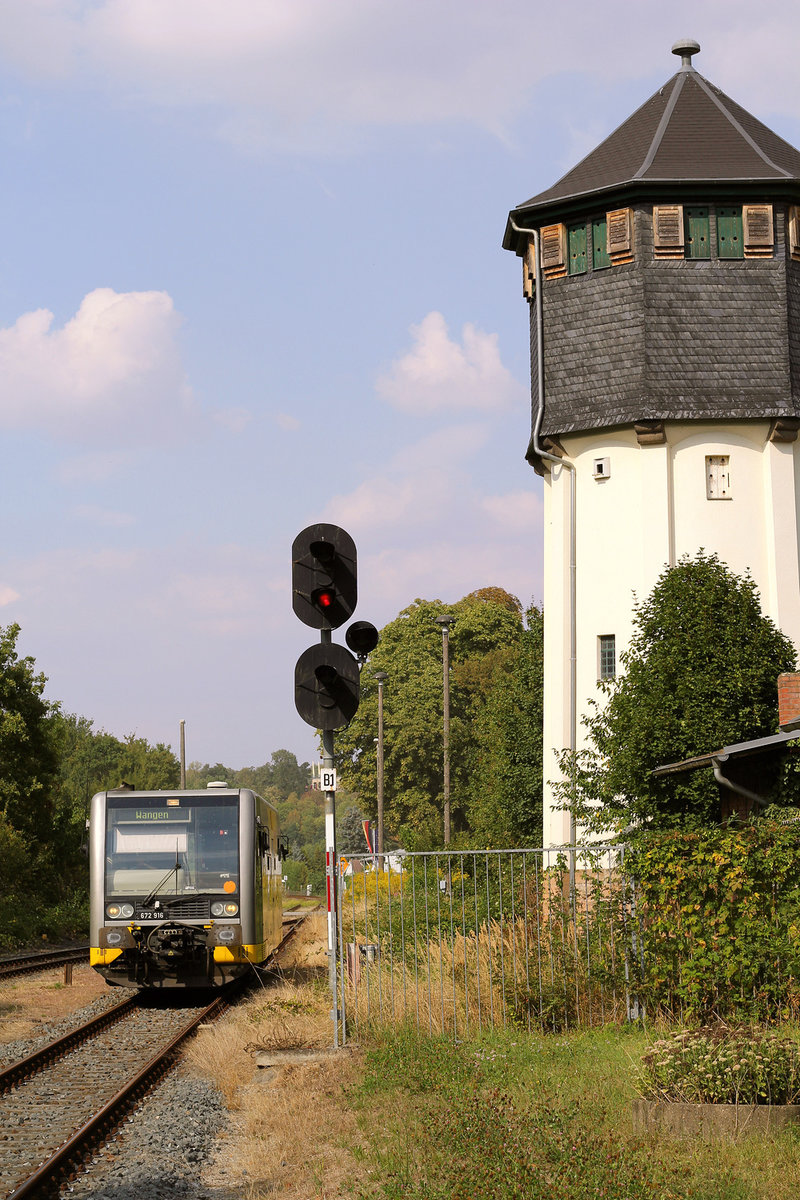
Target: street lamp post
(446, 621)
(380, 676)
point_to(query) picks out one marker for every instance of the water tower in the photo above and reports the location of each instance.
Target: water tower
(663, 278)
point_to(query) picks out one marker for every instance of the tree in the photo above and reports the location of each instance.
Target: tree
(506, 804)
(27, 757)
(350, 833)
(487, 624)
(700, 673)
(274, 780)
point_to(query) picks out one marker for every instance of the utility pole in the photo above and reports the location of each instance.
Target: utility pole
(380, 677)
(446, 621)
(183, 756)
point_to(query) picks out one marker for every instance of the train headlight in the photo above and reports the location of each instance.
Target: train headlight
(126, 910)
(217, 909)
(113, 910)
(231, 910)
(220, 909)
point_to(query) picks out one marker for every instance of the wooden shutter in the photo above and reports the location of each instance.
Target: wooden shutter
(576, 249)
(730, 234)
(619, 224)
(554, 250)
(759, 239)
(794, 232)
(668, 230)
(600, 256)
(696, 231)
(529, 271)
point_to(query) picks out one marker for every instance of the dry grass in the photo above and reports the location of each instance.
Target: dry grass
(291, 1124)
(27, 1002)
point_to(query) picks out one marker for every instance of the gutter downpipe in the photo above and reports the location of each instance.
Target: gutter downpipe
(570, 466)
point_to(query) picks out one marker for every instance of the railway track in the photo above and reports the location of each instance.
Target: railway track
(41, 960)
(59, 1103)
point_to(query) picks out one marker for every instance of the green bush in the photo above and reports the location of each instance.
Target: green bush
(717, 914)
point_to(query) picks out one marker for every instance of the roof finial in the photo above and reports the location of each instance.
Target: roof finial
(686, 47)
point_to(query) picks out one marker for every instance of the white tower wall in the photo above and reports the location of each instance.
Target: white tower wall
(650, 507)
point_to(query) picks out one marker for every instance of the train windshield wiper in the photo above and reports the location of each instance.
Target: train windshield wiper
(173, 870)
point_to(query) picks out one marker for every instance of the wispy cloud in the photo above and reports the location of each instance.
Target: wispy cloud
(310, 75)
(440, 373)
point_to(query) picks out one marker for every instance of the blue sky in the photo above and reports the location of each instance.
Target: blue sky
(251, 279)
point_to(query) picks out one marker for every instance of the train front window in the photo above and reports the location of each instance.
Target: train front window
(181, 846)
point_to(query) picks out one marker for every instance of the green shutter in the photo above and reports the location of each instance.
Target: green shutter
(730, 238)
(600, 255)
(696, 232)
(576, 248)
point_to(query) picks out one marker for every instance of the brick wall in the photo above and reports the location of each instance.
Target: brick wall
(789, 697)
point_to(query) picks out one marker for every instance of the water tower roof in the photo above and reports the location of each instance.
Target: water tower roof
(688, 133)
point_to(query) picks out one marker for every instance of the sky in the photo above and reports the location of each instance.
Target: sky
(251, 278)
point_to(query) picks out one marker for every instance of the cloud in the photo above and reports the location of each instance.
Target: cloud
(437, 530)
(438, 373)
(287, 423)
(113, 371)
(312, 75)
(139, 639)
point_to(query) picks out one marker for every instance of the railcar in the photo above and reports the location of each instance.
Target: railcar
(185, 886)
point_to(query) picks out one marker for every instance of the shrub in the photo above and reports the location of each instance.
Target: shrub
(717, 1064)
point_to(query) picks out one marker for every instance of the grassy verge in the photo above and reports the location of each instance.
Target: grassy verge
(518, 1116)
(423, 1118)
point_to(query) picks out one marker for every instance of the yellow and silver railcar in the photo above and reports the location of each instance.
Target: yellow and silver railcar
(185, 886)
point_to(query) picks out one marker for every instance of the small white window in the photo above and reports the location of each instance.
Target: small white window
(718, 477)
(606, 656)
(601, 468)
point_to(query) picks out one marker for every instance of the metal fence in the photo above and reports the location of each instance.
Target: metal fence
(460, 942)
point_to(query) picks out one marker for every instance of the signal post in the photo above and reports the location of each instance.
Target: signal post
(326, 677)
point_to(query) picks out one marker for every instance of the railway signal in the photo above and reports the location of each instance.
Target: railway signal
(326, 686)
(362, 638)
(326, 677)
(324, 576)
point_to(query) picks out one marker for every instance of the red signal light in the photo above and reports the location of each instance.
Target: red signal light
(324, 599)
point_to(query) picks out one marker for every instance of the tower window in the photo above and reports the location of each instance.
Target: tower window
(718, 477)
(576, 249)
(607, 656)
(600, 256)
(696, 236)
(730, 237)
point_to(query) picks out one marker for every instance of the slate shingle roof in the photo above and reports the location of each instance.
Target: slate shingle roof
(688, 132)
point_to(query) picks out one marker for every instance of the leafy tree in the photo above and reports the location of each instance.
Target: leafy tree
(487, 624)
(350, 834)
(287, 774)
(700, 673)
(275, 780)
(506, 805)
(27, 758)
